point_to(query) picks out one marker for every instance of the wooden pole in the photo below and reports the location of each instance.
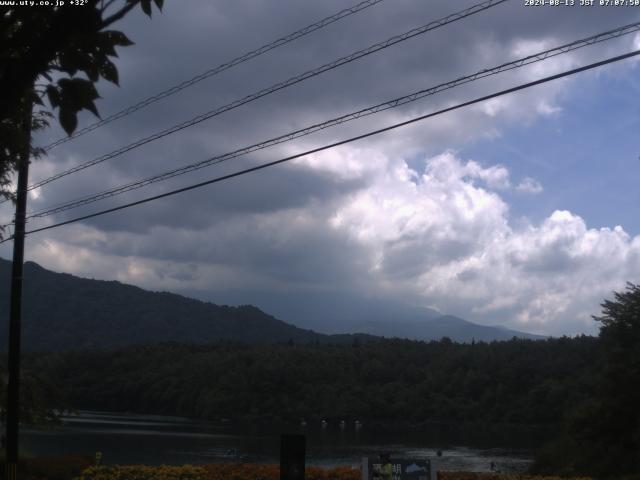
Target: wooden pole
(15, 309)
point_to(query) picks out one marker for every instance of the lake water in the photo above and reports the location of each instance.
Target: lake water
(152, 439)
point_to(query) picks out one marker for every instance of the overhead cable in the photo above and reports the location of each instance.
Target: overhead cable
(219, 69)
(537, 57)
(278, 86)
(336, 144)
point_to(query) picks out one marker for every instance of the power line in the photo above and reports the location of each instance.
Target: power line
(279, 86)
(537, 57)
(342, 142)
(220, 68)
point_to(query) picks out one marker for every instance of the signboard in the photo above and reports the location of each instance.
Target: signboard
(400, 469)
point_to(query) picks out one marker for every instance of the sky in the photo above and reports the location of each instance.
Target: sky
(519, 211)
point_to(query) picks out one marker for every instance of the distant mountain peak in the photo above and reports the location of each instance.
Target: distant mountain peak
(450, 326)
(62, 311)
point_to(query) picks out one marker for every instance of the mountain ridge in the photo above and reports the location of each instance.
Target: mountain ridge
(63, 311)
(456, 328)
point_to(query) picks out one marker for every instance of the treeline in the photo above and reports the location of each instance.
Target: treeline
(520, 382)
(586, 389)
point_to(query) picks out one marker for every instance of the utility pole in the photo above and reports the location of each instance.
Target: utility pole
(15, 309)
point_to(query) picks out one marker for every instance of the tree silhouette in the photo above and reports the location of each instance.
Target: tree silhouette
(72, 43)
(39, 43)
(615, 421)
(602, 438)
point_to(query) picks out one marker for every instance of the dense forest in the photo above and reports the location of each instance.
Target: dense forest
(586, 390)
(516, 382)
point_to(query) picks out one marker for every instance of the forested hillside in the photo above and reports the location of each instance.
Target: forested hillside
(63, 312)
(515, 382)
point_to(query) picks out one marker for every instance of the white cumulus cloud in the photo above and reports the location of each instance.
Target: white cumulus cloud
(448, 239)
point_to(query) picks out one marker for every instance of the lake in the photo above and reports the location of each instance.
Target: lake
(153, 439)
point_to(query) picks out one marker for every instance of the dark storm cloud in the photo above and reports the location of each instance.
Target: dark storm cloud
(274, 223)
(258, 193)
(184, 41)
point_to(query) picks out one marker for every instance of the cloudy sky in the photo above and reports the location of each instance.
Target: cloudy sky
(520, 211)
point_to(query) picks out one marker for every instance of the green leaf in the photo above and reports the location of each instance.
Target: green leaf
(146, 6)
(109, 72)
(89, 105)
(68, 62)
(68, 120)
(105, 44)
(92, 71)
(159, 3)
(76, 94)
(118, 38)
(54, 95)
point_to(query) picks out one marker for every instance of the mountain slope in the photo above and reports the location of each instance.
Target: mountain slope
(62, 311)
(450, 326)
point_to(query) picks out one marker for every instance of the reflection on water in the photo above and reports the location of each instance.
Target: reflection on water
(152, 439)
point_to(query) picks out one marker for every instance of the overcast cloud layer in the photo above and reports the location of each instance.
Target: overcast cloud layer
(407, 217)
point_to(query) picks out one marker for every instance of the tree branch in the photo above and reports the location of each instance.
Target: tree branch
(107, 5)
(118, 15)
